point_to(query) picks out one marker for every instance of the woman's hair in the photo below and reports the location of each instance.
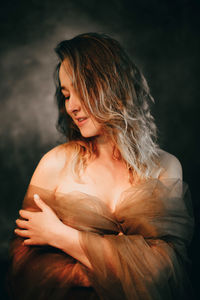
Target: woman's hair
(114, 91)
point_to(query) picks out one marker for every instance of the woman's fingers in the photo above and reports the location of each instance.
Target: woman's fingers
(28, 242)
(40, 203)
(25, 213)
(37, 226)
(21, 232)
(22, 223)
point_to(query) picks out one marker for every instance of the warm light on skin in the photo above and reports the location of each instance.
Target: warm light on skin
(74, 107)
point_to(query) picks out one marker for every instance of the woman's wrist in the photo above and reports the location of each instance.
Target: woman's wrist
(67, 239)
(58, 233)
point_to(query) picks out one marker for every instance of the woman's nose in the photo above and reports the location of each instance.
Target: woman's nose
(73, 105)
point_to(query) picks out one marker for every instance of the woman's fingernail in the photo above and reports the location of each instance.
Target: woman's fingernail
(36, 197)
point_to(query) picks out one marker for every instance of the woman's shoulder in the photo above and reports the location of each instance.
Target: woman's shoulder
(57, 156)
(50, 167)
(170, 166)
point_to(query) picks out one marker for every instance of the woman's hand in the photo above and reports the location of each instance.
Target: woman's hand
(39, 227)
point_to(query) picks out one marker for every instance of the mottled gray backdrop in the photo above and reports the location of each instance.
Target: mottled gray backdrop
(162, 37)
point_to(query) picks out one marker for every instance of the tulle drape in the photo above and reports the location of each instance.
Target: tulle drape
(137, 252)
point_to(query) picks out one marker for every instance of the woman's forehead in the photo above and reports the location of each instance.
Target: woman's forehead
(64, 75)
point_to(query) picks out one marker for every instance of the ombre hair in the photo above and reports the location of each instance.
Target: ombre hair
(114, 91)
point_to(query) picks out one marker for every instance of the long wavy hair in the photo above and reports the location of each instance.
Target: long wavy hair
(114, 91)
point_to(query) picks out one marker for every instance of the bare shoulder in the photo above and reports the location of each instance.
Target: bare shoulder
(50, 167)
(170, 165)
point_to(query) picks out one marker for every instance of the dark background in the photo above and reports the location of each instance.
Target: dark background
(162, 37)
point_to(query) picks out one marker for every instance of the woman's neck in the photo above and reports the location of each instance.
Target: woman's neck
(105, 148)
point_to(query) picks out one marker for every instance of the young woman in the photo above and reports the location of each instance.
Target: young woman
(106, 215)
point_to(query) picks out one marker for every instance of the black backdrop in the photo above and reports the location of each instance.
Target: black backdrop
(161, 37)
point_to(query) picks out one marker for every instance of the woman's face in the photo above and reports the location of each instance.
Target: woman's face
(87, 125)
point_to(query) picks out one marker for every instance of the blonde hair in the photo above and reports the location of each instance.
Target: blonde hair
(114, 91)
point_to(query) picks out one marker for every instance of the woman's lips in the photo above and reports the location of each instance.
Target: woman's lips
(81, 122)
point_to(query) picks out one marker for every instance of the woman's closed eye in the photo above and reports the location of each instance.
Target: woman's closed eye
(66, 97)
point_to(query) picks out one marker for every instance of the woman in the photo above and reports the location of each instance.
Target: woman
(106, 215)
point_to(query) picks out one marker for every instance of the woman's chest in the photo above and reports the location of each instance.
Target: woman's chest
(100, 181)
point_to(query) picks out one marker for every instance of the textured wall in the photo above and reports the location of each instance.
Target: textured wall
(161, 37)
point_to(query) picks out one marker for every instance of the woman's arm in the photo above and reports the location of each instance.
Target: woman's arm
(44, 228)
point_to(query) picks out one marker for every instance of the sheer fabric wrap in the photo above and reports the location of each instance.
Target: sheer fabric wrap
(139, 251)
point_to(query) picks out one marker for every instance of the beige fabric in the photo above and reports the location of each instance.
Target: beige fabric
(137, 252)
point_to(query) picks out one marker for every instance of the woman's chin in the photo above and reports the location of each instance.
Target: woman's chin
(89, 134)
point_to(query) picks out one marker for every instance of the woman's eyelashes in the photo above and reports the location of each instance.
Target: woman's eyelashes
(66, 97)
